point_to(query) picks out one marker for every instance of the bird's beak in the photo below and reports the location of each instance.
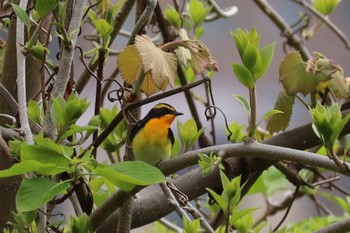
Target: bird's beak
(178, 113)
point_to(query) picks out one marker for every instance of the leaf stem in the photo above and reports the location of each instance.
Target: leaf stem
(252, 101)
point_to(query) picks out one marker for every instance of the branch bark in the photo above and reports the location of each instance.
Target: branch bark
(66, 59)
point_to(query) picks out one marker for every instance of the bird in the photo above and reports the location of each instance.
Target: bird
(152, 138)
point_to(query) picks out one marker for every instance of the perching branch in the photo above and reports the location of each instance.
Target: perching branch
(239, 150)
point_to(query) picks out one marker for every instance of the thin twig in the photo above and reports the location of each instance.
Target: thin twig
(288, 209)
(326, 21)
(172, 201)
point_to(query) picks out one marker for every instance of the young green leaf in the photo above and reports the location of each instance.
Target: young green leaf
(188, 133)
(35, 114)
(192, 226)
(197, 11)
(80, 224)
(280, 122)
(326, 7)
(172, 16)
(251, 59)
(266, 55)
(243, 75)
(34, 193)
(22, 15)
(44, 7)
(244, 102)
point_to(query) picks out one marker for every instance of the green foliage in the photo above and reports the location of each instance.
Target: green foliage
(35, 113)
(116, 139)
(279, 122)
(44, 7)
(104, 29)
(243, 75)
(22, 15)
(310, 224)
(172, 16)
(229, 203)
(238, 132)
(34, 193)
(193, 226)
(198, 11)
(326, 7)
(64, 113)
(188, 133)
(269, 182)
(299, 76)
(208, 163)
(80, 224)
(255, 61)
(23, 222)
(127, 175)
(327, 123)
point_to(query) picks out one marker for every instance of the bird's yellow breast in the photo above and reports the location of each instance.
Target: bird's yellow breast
(152, 144)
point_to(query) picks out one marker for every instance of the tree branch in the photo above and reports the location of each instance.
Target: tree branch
(21, 78)
(195, 179)
(339, 227)
(66, 59)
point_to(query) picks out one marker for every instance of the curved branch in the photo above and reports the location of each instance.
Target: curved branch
(219, 12)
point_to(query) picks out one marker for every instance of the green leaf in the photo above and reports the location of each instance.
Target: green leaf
(251, 58)
(270, 114)
(219, 200)
(238, 132)
(74, 129)
(294, 77)
(326, 7)
(127, 175)
(33, 166)
(188, 133)
(240, 214)
(339, 127)
(49, 144)
(44, 7)
(34, 193)
(22, 15)
(244, 102)
(80, 224)
(103, 27)
(197, 12)
(280, 122)
(172, 16)
(58, 113)
(243, 75)
(35, 114)
(266, 57)
(44, 156)
(193, 226)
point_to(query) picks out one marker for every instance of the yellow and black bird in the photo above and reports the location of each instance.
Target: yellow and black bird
(152, 137)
